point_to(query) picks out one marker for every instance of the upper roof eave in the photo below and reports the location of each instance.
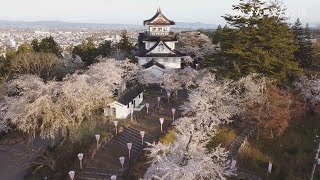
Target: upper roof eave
(149, 21)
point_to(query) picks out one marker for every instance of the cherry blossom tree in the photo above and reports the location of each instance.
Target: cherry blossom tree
(309, 88)
(253, 88)
(169, 81)
(59, 108)
(187, 162)
(187, 158)
(213, 102)
(4, 127)
(174, 80)
(28, 98)
(146, 77)
(196, 44)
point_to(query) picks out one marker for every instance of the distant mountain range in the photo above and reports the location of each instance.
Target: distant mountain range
(69, 25)
(314, 24)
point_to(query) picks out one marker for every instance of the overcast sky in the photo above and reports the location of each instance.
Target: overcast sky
(135, 11)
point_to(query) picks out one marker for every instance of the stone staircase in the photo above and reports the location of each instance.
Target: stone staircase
(106, 162)
(240, 141)
(233, 152)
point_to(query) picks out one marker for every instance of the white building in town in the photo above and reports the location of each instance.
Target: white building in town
(157, 45)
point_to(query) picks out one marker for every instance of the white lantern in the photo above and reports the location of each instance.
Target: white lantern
(122, 161)
(97, 139)
(161, 123)
(131, 113)
(142, 133)
(113, 177)
(168, 94)
(80, 157)
(158, 98)
(197, 66)
(116, 126)
(147, 106)
(71, 175)
(129, 148)
(173, 110)
(233, 164)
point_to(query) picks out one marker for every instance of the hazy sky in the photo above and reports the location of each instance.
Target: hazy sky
(135, 11)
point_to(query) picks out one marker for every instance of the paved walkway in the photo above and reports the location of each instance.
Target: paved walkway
(14, 157)
(106, 162)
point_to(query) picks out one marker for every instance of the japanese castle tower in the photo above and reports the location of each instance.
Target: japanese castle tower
(157, 45)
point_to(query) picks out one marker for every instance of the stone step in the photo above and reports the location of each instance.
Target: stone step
(91, 173)
(146, 136)
(134, 148)
(130, 137)
(237, 143)
(138, 131)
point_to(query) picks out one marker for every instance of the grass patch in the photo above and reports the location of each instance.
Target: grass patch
(292, 153)
(169, 137)
(225, 136)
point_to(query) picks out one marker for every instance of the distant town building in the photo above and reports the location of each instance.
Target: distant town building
(11, 44)
(157, 45)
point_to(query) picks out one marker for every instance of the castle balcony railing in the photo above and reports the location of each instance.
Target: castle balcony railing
(159, 33)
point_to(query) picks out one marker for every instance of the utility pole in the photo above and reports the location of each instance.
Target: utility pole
(315, 162)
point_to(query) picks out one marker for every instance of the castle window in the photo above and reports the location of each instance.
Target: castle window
(160, 48)
(159, 29)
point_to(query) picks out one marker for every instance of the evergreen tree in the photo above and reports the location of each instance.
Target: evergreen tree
(105, 49)
(258, 41)
(124, 47)
(35, 45)
(217, 35)
(308, 48)
(87, 51)
(46, 45)
(302, 38)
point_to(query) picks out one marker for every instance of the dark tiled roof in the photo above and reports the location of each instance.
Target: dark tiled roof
(159, 13)
(129, 95)
(174, 53)
(161, 55)
(144, 51)
(152, 63)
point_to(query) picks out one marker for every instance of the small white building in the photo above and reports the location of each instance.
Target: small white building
(129, 100)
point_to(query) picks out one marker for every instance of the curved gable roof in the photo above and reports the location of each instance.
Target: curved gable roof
(158, 19)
